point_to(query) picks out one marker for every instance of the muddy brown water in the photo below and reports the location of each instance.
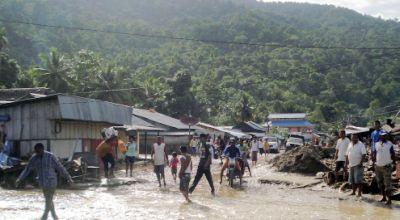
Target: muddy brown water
(144, 200)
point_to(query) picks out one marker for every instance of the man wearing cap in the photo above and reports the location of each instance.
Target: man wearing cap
(204, 167)
(384, 156)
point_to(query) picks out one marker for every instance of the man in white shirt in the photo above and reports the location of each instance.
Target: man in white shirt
(254, 151)
(384, 156)
(356, 154)
(341, 150)
(160, 158)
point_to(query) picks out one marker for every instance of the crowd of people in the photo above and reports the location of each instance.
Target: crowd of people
(352, 153)
(350, 156)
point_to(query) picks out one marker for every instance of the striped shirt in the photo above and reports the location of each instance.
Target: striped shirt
(45, 167)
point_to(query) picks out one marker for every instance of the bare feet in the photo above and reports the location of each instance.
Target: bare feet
(383, 199)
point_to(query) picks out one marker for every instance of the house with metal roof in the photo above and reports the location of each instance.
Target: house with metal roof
(251, 128)
(294, 122)
(64, 124)
(174, 131)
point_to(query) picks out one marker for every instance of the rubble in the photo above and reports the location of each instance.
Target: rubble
(306, 160)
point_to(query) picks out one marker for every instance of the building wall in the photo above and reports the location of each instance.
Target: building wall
(30, 121)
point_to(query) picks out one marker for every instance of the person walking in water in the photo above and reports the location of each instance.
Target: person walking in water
(160, 158)
(204, 167)
(106, 148)
(130, 155)
(254, 151)
(46, 166)
(174, 165)
(185, 172)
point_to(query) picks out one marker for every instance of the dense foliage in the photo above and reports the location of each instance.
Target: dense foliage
(221, 83)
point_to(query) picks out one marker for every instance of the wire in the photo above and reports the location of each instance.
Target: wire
(273, 45)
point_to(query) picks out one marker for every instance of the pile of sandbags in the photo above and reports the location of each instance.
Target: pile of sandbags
(306, 159)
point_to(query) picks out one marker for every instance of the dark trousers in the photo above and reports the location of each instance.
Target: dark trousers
(49, 207)
(200, 172)
(108, 159)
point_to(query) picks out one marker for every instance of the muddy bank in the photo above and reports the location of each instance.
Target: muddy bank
(306, 160)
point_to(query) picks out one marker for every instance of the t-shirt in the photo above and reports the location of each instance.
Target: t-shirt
(103, 148)
(355, 153)
(375, 137)
(254, 146)
(174, 162)
(159, 154)
(383, 152)
(260, 144)
(232, 151)
(341, 146)
(205, 152)
(131, 149)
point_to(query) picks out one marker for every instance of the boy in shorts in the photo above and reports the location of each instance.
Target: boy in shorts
(185, 172)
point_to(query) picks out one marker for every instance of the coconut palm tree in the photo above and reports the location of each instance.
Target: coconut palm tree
(54, 73)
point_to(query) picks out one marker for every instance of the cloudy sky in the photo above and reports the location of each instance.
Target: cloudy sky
(387, 9)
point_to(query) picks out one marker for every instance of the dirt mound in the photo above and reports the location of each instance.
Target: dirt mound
(305, 159)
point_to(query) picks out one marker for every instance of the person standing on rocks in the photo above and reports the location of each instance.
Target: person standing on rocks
(356, 154)
(160, 158)
(204, 167)
(375, 135)
(384, 158)
(341, 150)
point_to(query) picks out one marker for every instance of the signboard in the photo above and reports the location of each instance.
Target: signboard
(4, 118)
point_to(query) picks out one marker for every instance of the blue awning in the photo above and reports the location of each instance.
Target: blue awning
(291, 123)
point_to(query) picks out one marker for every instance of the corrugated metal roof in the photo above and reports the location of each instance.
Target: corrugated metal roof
(256, 126)
(160, 118)
(287, 116)
(141, 122)
(291, 123)
(84, 109)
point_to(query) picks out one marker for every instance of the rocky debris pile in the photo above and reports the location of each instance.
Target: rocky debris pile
(306, 160)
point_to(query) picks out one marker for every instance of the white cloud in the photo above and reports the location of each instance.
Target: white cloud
(388, 9)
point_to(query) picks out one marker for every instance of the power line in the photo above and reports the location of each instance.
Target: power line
(272, 45)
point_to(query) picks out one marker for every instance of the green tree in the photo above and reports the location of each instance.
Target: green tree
(54, 73)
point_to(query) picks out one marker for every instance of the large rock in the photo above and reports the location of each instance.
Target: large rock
(305, 160)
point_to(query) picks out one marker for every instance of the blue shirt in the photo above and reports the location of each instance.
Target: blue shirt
(45, 167)
(375, 137)
(232, 151)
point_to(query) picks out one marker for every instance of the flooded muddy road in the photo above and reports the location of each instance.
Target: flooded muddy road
(144, 200)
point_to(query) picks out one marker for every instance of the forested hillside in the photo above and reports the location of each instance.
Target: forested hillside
(262, 57)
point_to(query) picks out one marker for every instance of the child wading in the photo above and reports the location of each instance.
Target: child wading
(184, 173)
(174, 165)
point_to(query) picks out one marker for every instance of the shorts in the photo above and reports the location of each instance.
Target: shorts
(158, 168)
(384, 176)
(261, 150)
(129, 159)
(254, 156)
(174, 170)
(184, 183)
(339, 165)
(356, 174)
